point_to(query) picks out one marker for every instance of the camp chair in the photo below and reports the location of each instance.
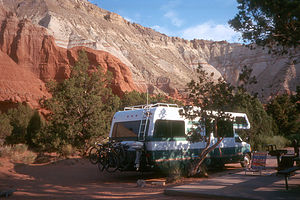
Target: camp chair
(258, 162)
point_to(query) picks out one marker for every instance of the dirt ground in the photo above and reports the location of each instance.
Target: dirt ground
(78, 179)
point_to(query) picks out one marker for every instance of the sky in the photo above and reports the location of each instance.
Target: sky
(188, 19)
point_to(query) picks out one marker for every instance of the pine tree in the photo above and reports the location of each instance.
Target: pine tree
(81, 106)
(270, 23)
(215, 99)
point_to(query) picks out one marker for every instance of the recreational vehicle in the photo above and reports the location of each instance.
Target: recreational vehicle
(156, 136)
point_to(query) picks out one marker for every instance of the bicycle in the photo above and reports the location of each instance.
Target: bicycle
(109, 161)
(95, 153)
(111, 156)
(122, 156)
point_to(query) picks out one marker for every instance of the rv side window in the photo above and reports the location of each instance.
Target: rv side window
(240, 122)
(225, 128)
(127, 129)
(169, 129)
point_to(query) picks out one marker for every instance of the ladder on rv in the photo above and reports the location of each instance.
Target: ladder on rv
(144, 123)
(146, 114)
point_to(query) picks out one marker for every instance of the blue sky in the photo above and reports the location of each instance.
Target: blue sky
(189, 19)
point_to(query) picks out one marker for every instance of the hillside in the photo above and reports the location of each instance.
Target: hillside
(29, 58)
(165, 64)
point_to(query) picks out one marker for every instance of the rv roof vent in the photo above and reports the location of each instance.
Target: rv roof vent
(151, 106)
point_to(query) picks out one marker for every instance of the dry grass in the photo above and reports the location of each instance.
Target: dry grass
(18, 153)
(68, 151)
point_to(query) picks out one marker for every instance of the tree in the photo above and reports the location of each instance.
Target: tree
(5, 127)
(269, 23)
(81, 107)
(19, 118)
(213, 99)
(135, 98)
(263, 127)
(296, 99)
(35, 124)
(132, 99)
(286, 114)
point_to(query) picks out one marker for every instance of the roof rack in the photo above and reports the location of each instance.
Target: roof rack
(150, 106)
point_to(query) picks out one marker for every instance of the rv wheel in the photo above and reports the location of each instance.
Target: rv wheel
(246, 161)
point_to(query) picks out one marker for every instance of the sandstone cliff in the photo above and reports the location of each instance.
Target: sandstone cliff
(29, 57)
(164, 63)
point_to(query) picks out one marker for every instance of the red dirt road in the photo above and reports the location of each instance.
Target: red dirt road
(76, 179)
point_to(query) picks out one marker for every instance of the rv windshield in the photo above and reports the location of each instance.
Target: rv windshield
(129, 129)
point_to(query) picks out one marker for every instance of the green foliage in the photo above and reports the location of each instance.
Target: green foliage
(271, 23)
(263, 141)
(19, 119)
(221, 96)
(210, 96)
(296, 98)
(35, 124)
(262, 124)
(5, 127)
(160, 98)
(68, 150)
(284, 111)
(210, 100)
(136, 98)
(20, 125)
(81, 107)
(132, 99)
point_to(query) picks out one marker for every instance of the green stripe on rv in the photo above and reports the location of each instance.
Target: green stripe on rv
(179, 155)
(149, 139)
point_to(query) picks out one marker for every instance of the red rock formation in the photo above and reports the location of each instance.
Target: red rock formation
(29, 57)
(18, 84)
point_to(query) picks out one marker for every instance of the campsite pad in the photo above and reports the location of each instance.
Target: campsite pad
(241, 186)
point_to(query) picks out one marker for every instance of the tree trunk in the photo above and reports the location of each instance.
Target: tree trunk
(194, 167)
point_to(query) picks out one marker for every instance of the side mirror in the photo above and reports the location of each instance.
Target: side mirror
(238, 139)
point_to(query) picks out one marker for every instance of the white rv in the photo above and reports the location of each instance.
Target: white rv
(156, 136)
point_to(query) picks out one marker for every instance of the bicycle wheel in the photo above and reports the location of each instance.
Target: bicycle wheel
(101, 166)
(94, 155)
(112, 162)
(123, 159)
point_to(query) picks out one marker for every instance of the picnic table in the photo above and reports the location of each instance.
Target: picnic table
(285, 162)
(273, 151)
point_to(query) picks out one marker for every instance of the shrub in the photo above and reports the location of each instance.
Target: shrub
(20, 148)
(19, 120)
(18, 153)
(67, 150)
(6, 151)
(29, 157)
(262, 141)
(5, 127)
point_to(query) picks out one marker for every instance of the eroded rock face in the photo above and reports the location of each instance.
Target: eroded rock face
(151, 55)
(18, 84)
(29, 57)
